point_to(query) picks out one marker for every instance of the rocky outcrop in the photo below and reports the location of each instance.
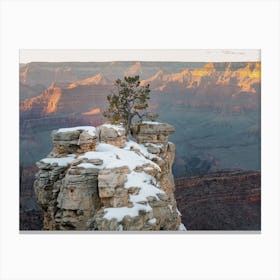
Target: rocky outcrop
(97, 179)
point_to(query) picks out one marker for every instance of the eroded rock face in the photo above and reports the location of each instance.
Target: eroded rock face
(94, 179)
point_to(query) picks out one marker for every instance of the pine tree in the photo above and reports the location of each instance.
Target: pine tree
(129, 101)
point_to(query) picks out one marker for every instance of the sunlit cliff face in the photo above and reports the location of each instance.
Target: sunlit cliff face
(95, 80)
(53, 100)
(248, 77)
(213, 80)
(207, 70)
(94, 111)
(49, 99)
(245, 77)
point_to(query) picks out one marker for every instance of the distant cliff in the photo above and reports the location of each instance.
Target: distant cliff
(48, 89)
(95, 179)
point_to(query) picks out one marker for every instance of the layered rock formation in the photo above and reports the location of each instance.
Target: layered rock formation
(95, 179)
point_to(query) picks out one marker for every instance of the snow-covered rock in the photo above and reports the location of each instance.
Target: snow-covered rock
(112, 134)
(74, 140)
(95, 179)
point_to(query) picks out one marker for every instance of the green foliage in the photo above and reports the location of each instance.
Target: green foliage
(130, 100)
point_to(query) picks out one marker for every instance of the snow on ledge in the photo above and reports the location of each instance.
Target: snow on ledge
(89, 129)
(64, 161)
(120, 212)
(86, 165)
(131, 145)
(182, 227)
(145, 183)
(113, 157)
(149, 122)
(113, 126)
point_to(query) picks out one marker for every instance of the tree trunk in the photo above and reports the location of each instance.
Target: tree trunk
(128, 131)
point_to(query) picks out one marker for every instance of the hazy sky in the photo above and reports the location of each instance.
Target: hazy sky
(224, 55)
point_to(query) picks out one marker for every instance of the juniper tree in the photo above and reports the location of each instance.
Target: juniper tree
(129, 100)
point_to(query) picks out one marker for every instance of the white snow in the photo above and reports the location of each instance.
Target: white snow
(170, 207)
(86, 165)
(115, 157)
(152, 221)
(131, 145)
(149, 122)
(182, 227)
(89, 129)
(114, 126)
(64, 161)
(153, 145)
(148, 168)
(121, 212)
(178, 212)
(118, 128)
(145, 183)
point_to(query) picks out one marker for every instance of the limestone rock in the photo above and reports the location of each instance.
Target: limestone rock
(111, 179)
(74, 140)
(152, 132)
(112, 134)
(85, 184)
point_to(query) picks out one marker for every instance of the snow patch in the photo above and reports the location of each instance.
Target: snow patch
(178, 212)
(86, 165)
(114, 126)
(118, 128)
(149, 122)
(170, 207)
(152, 221)
(182, 227)
(115, 157)
(131, 145)
(64, 161)
(153, 145)
(145, 183)
(89, 129)
(120, 212)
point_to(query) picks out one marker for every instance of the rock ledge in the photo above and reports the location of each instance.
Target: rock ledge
(95, 179)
